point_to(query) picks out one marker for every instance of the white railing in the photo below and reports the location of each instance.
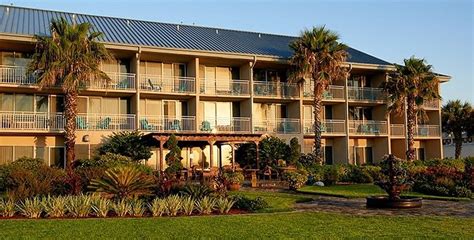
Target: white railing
(118, 81)
(366, 94)
(427, 131)
(281, 125)
(328, 126)
(31, 121)
(225, 125)
(167, 84)
(15, 75)
(367, 127)
(105, 122)
(397, 130)
(275, 89)
(433, 104)
(167, 124)
(224, 87)
(334, 92)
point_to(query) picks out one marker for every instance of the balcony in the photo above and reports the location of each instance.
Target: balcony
(328, 127)
(281, 126)
(105, 122)
(167, 84)
(397, 130)
(275, 89)
(426, 131)
(224, 87)
(367, 127)
(333, 93)
(15, 75)
(366, 94)
(225, 125)
(118, 81)
(167, 123)
(431, 105)
(30, 121)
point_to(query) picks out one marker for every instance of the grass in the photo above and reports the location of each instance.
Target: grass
(277, 201)
(365, 190)
(296, 225)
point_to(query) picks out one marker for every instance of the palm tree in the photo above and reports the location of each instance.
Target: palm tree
(69, 58)
(318, 55)
(456, 118)
(408, 88)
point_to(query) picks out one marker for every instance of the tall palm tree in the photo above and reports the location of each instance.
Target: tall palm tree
(319, 56)
(408, 88)
(70, 58)
(456, 120)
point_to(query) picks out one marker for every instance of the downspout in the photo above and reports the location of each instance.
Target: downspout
(347, 117)
(251, 92)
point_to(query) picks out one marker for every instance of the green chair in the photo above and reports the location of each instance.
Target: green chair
(327, 95)
(81, 123)
(104, 123)
(144, 125)
(206, 126)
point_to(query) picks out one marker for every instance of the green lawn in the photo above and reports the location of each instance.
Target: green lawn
(297, 225)
(277, 201)
(364, 190)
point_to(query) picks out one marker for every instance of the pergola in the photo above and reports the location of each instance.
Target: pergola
(202, 140)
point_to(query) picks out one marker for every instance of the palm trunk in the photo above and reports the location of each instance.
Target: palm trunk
(458, 145)
(317, 125)
(411, 121)
(70, 128)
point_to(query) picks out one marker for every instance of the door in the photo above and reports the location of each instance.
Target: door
(57, 157)
(328, 157)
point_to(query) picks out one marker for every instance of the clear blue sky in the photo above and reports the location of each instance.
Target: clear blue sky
(439, 30)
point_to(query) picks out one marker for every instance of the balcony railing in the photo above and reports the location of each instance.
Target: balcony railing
(31, 121)
(397, 130)
(433, 104)
(167, 123)
(333, 93)
(118, 81)
(15, 75)
(328, 127)
(366, 94)
(224, 87)
(427, 131)
(167, 84)
(275, 89)
(225, 125)
(367, 127)
(105, 122)
(281, 125)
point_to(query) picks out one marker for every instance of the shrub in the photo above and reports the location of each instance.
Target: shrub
(462, 192)
(469, 172)
(55, 206)
(27, 163)
(187, 205)
(79, 206)
(223, 205)
(137, 208)
(205, 205)
(196, 192)
(247, 204)
(123, 182)
(101, 206)
(332, 174)
(130, 144)
(375, 172)
(173, 158)
(357, 174)
(122, 207)
(233, 177)
(308, 160)
(157, 207)
(173, 205)
(295, 151)
(271, 150)
(245, 155)
(7, 208)
(31, 207)
(295, 180)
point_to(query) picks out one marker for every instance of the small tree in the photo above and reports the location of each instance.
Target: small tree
(456, 120)
(246, 155)
(295, 151)
(273, 149)
(173, 158)
(129, 144)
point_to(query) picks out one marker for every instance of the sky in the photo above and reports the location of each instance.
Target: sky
(441, 31)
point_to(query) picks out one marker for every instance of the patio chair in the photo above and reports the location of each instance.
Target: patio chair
(327, 95)
(175, 125)
(153, 87)
(81, 123)
(104, 123)
(144, 125)
(206, 126)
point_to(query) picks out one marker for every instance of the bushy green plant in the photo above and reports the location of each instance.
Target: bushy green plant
(130, 144)
(173, 158)
(205, 205)
(157, 207)
(101, 206)
(233, 177)
(245, 155)
(173, 205)
(295, 180)
(295, 151)
(79, 206)
(122, 207)
(196, 192)
(138, 208)
(308, 160)
(469, 172)
(223, 205)
(333, 174)
(55, 206)
(27, 163)
(462, 192)
(187, 205)
(31, 207)
(271, 150)
(7, 208)
(247, 204)
(123, 182)
(358, 174)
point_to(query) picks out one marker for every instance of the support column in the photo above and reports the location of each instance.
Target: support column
(162, 143)
(211, 153)
(257, 155)
(233, 156)
(219, 147)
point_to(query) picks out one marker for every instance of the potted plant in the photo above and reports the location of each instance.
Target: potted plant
(394, 182)
(233, 180)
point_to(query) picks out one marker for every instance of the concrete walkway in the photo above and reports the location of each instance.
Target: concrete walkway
(357, 207)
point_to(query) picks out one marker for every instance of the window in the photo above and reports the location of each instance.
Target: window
(421, 154)
(360, 113)
(6, 102)
(24, 103)
(235, 72)
(328, 158)
(328, 112)
(369, 158)
(358, 81)
(41, 103)
(57, 157)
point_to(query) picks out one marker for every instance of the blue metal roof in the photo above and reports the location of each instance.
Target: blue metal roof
(27, 21)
